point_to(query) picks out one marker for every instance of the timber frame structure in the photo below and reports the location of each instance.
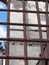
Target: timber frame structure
(44, 60)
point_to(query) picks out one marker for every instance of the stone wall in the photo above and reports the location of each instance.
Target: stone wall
(17, 49)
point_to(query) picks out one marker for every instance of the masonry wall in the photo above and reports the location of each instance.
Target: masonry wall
(17, 49)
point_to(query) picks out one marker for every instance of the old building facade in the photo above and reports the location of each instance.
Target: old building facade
(26, 32)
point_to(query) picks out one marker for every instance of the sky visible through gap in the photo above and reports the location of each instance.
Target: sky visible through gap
(3, 18)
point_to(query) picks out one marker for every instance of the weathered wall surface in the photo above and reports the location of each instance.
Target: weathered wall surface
(17, 49)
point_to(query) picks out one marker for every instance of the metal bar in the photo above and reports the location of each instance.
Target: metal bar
(7, 44)
(25, 43)
(5, 1)
(47, 24)
(16, 30)
(27, 11)
(38, 0)
(28, 30)
(23, 58)
(21, 24)
(40, 32)
(22, 39)
(47, 31)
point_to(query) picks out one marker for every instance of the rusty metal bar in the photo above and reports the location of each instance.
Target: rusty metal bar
(25, 36)
(22, 39)
(21, 24)
(40, 32)
(5, 1)
(47, 25)
(47, 62)
(23, 58)
(38, 0)
(28, 30)
(7, 44)
(27, 11)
